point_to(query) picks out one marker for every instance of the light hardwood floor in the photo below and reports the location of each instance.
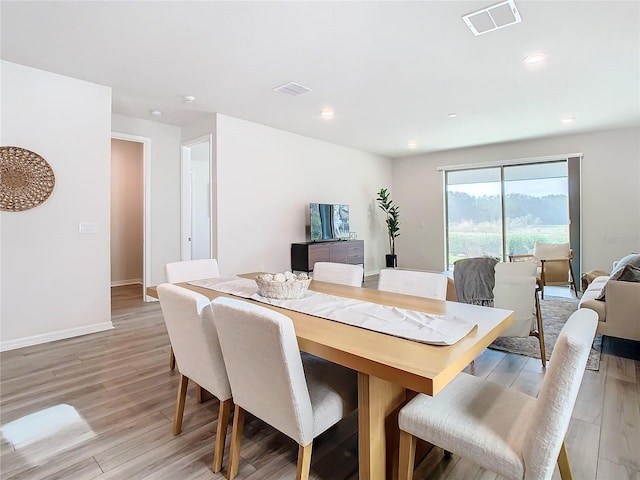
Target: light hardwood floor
(111, 397)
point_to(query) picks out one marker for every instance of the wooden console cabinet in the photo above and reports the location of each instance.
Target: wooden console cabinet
(305, 255)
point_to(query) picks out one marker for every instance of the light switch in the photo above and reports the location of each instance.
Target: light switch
(88, 227)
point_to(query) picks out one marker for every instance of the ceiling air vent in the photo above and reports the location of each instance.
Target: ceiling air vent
(292, 88)
(492, 18)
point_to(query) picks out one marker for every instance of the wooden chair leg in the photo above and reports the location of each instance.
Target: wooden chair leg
(407, 456)
(563, 463)
(172, 360)
(236, 440)
(304, 462)
(198, 393)
(573, 280)
(182, 395)
(543, 352)
(221, 433)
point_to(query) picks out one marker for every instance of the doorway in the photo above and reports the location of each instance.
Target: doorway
(196, 203)
(130, 198)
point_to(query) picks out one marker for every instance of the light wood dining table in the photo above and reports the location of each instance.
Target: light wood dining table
(389, 368)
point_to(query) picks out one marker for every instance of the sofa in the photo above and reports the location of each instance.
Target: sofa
(619, 314)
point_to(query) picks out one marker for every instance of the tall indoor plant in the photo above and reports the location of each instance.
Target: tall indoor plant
(393, 224)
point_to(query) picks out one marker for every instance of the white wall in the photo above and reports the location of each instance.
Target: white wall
(127, 212)
(165, 189)
(55, 281)
(610, 194)
(266, 180)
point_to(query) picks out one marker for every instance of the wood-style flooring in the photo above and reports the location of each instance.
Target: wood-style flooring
(101, 406)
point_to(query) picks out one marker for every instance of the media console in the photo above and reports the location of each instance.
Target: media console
(305, 255)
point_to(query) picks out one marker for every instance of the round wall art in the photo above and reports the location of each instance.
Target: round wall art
(26, 179)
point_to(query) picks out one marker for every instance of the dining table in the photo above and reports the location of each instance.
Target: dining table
(390, 370)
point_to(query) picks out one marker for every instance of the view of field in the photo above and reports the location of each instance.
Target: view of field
(475, 223)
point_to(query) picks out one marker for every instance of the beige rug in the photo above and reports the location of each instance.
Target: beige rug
(555, 311)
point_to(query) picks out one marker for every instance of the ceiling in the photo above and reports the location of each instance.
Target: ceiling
(392, 71)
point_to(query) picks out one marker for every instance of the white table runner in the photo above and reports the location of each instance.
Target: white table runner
(421, 327)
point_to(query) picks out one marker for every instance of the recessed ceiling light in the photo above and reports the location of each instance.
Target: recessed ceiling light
(327, 113)
(452, 115)
(189, 98)
(569, 120)
(156, 113)
(534, 58)
(412, 144)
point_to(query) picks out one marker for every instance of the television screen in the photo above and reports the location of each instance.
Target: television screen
(341, 221)
(328, 222)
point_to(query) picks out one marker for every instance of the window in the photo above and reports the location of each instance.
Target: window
(503, 210)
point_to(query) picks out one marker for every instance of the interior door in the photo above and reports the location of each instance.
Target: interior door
(196, 199)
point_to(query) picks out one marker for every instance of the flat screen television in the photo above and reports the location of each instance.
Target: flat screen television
(328, 221)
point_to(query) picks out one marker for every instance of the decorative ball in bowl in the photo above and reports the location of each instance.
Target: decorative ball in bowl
(283, 286)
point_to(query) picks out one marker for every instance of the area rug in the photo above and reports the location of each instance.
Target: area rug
(555, 312)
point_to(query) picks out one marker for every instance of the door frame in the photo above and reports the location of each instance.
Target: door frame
(146, 207)
(186, 195)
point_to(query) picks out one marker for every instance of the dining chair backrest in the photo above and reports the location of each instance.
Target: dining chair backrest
(558, 394)
(409, 282)
(264, 366)
(342, 273)
(516, 269)
(517, 294)
(188, 270)
(189, 319)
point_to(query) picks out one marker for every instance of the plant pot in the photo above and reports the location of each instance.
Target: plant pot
(392, 261)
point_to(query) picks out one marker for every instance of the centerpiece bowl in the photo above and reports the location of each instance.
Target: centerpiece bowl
(283, 286)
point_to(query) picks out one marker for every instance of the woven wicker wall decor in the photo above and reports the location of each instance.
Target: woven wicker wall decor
(26, 179)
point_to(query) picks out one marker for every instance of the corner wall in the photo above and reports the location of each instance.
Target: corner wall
(610, 194)
(55, 281)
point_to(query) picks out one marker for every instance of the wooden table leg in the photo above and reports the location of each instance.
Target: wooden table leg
(378, 433)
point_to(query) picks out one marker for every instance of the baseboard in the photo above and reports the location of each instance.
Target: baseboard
(122, 283)
(53, 336)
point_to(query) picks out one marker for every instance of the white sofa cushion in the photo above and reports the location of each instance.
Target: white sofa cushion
(589, 296)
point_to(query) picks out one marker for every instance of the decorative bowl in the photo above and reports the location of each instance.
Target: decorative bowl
(283, 286)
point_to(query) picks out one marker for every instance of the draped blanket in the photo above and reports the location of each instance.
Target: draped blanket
(474, 279)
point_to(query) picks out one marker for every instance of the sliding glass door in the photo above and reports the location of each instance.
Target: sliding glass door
(498, 211)
(474, 213)
(536, 206)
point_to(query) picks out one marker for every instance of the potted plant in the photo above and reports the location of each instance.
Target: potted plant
(393, 224)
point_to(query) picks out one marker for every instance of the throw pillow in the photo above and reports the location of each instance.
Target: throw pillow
(550, 250)
(631, 259)
(627, 270)
(630, 274)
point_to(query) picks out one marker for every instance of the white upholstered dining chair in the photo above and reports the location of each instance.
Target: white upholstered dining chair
(501, 429)
(516, 289)
(409, 282)
(187, 271)
(189, 319)
(342, 273)
(300, 395)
